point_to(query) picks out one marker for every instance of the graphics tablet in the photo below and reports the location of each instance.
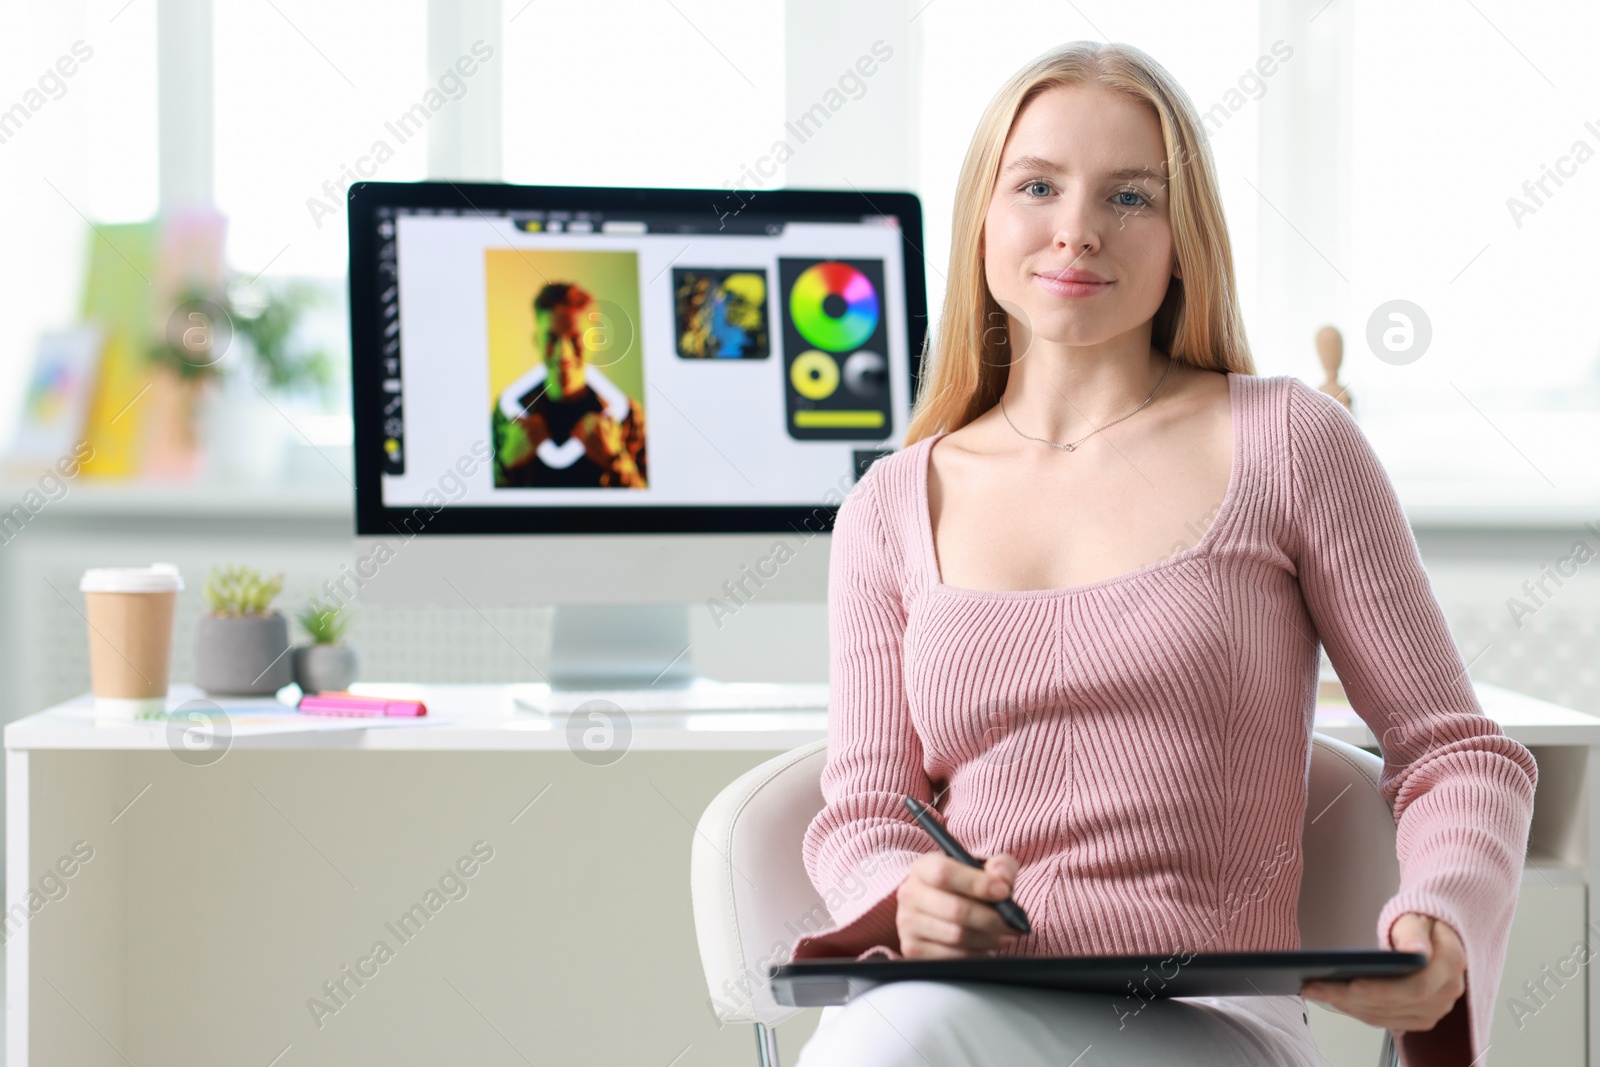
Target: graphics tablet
(821, 982)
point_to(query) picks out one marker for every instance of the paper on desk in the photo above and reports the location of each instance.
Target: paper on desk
(258, 721)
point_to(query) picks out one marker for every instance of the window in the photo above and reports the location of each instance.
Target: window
(1475, 195)
(309, 96)
(686, 94)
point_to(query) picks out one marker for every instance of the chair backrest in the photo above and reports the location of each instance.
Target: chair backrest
(1348, 841)
(753, 898)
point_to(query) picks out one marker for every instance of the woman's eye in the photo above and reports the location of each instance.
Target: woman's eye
(1143, 201)
(1037, 182)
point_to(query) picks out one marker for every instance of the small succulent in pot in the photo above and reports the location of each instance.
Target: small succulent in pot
(241, 644)
(327, 663)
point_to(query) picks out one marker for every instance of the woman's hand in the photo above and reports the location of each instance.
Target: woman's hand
(946, 909)
(1413, 1002)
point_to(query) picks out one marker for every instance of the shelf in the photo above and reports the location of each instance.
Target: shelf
(333, 500)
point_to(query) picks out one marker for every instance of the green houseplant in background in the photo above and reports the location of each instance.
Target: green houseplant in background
(202, 327)
(226, 353)
(195, 335)
(266, 315)
(241, 643)
(327, 663)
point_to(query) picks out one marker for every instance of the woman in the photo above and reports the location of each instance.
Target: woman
(1080, 611)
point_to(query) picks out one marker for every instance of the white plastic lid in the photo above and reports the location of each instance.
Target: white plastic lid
(156, 578)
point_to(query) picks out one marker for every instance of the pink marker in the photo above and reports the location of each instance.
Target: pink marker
(342, 703)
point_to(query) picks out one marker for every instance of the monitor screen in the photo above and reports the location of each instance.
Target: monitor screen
(533, 358)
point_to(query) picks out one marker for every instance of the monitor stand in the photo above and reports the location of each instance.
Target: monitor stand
(637, 657)
(621, 646)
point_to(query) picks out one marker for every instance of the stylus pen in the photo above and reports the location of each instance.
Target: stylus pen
(1008, 908)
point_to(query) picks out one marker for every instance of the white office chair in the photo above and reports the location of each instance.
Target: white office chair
(748, 881)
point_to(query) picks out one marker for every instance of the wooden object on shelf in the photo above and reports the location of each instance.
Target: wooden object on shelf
(1330, 352)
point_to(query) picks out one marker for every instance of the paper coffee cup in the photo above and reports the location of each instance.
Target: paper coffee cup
(130, 612)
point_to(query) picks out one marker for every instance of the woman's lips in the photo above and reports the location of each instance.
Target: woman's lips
(1061, 288)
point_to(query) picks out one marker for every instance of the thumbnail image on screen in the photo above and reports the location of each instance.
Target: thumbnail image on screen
(721, 314)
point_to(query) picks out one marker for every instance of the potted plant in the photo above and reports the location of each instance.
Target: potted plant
(185, 353)
(325, 664)
(241, 645)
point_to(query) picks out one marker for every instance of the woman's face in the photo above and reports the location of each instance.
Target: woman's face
(1082, 187)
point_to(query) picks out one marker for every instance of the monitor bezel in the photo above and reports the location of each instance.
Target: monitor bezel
(364, 201)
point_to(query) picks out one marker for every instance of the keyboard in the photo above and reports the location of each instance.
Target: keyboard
(702, 696)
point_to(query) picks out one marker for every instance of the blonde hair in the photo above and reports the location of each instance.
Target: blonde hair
(965, 368)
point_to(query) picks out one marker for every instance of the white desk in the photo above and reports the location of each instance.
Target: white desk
(222, 893)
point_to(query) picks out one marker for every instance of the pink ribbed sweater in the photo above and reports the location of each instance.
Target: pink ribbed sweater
(1141, 743)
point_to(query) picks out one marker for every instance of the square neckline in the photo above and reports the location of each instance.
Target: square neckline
(1224, 510)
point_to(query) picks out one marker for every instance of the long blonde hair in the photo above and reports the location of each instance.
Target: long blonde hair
(965, 367)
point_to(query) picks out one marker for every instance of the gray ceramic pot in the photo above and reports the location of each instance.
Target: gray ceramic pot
(320, 668)
(242, 655)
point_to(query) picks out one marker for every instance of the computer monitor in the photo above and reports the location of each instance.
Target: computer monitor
(628, 403)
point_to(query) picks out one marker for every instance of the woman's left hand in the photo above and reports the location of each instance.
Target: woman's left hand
(1410, 1002)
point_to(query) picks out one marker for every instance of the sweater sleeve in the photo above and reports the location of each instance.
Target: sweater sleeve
(862, 843)
(1461, 791)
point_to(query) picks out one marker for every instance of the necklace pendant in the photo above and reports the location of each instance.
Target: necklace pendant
(1067, 447)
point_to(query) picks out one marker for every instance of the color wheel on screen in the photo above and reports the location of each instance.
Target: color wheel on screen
(834, 306)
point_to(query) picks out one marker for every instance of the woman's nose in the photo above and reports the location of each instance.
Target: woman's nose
(1078, 227)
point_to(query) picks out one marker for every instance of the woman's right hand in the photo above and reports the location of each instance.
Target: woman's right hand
(946, 909)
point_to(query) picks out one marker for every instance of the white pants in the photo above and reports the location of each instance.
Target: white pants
(964, 1024)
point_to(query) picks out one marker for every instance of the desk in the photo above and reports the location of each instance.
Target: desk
(229, 910)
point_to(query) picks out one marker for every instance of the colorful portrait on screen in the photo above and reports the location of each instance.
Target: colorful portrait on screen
(566, 373)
